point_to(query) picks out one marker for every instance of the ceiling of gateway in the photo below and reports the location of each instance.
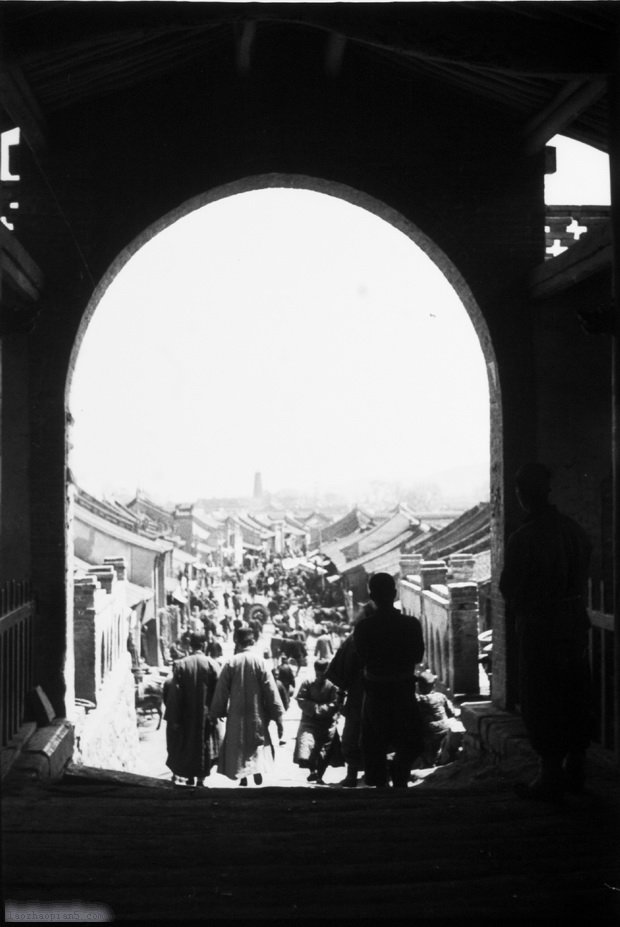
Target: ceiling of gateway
(543, 63)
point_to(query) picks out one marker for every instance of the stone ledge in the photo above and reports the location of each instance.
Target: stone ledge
(493, 731)
(47, 751)
(79, 774)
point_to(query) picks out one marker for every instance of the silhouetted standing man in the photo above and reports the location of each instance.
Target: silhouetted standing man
(390, 645)
(544, 581)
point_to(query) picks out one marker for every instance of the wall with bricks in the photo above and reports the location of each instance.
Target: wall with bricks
(104, 715)
(574, 424)
(95, 545)
(107, 736)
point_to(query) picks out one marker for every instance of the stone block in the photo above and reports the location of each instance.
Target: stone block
(106, 576)
(461, 566)
(433, 572)
(410, 564)
(120, 567)
(439, 589)
(464, 592)
(472, 714)
(48, 750)
(500, 733)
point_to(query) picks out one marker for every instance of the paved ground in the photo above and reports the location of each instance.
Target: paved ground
(458, 847)
(284, 773)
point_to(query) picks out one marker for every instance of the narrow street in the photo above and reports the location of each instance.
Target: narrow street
(284, 773)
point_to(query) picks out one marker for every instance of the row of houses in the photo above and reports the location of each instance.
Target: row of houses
(166, 551)
(358, 545)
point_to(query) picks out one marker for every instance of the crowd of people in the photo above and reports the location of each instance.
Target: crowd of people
(368, 702)
(353, 682)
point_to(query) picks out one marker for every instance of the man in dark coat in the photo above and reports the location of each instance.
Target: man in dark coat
(192, 739)
(346, 672)
(390, 646)
(544, 582)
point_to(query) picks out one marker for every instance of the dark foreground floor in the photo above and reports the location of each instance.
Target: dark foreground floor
(459, 849)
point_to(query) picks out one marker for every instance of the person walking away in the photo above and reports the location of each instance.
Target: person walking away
(192, 739)
(443, 733)
(238, 627)
(209, 626)
(247, 696)
(390, 645)
(287, 673)
(284, 676)
(226, 625)
(283, 692)
(544, 583)
(317, 739)
(257, 627)
(323, 649)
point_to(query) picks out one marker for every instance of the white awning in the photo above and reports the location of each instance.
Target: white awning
(137, 594)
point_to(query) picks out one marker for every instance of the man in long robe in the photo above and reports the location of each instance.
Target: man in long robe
(247, 696)
(390, 646)
(192, 738)
(544, 582)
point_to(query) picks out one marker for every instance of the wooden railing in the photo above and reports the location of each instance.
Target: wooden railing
(16, 655)
(566, 225)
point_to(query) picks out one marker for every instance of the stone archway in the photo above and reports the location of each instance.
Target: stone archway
(388, 215)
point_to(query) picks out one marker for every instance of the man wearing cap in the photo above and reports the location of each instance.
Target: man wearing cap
(544, 582)
(193, 740)
(390, 646)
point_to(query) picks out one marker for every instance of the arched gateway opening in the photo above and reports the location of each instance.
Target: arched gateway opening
(101, 558)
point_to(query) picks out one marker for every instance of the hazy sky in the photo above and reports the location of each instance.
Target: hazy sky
(284, 331)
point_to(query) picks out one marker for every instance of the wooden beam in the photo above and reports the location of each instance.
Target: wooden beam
(572, 100)
(547, 43)
(245, 44)
(564, 271)
(486, 37)
(334, 54)
(20, 105)
(18, 258)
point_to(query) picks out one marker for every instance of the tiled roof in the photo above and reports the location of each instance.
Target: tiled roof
(469, 533)
(384, 557)
(402, 519)
(353, 521)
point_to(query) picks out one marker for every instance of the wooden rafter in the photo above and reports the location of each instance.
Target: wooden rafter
(245, 45)
(20, 105)
(334, 54)
(572, 100)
